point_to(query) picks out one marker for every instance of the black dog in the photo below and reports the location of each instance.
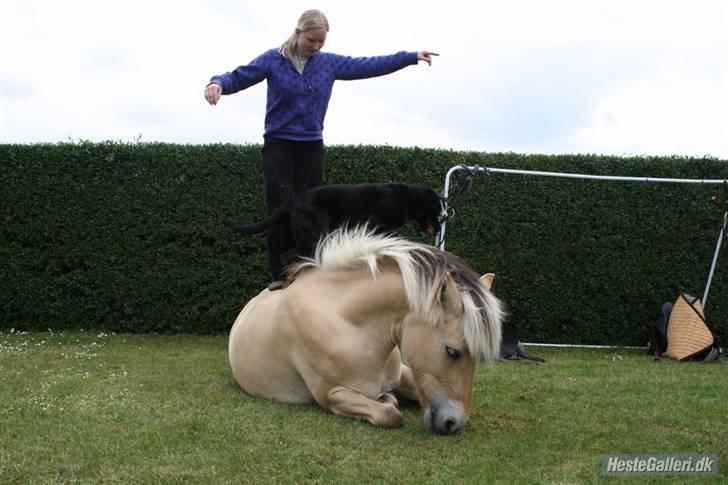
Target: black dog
(316, 212)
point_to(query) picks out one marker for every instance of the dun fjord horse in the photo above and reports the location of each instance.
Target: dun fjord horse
(370, 316)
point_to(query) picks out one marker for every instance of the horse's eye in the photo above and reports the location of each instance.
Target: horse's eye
(454, 354)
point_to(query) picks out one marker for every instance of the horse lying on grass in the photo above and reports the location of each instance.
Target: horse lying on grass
(363, 305)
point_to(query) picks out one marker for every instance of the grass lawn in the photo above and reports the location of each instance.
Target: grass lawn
(90, 407)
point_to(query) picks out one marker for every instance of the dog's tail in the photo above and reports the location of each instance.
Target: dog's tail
(245, 230)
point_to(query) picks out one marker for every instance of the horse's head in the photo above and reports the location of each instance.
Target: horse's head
(443, 354)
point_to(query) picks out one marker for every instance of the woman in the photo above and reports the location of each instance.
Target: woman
(300, 79)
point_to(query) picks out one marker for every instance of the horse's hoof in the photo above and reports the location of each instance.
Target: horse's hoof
(390, 417)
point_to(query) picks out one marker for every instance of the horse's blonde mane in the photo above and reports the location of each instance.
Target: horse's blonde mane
(423, 269)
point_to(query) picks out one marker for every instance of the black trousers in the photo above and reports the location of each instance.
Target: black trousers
(289, 168)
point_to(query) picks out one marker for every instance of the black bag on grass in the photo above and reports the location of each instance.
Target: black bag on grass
(511, 347)
(658, 332)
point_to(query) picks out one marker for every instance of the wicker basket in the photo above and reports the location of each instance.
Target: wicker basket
(687, 333)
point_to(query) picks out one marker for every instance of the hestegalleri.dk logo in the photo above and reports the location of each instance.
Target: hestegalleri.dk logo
(660, 464)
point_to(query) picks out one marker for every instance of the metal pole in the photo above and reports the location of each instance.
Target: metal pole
(600, 177)
(715, 260)
(581, 346)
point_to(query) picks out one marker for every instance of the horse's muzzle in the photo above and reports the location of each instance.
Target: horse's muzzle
(445, 416)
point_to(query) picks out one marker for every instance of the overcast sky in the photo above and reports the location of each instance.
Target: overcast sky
(619, 77)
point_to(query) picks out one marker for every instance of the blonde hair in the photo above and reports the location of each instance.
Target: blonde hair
(309, 20)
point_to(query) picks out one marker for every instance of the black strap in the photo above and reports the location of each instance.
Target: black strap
(463, 185)
(725, 201)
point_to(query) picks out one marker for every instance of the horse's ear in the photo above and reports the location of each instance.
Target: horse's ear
(450, 297)
(487, 280)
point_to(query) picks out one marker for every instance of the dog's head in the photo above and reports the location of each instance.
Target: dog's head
(425, 208)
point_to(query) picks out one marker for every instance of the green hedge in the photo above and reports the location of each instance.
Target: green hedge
(133, 237)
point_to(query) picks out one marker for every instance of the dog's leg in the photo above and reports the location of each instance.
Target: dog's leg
(308, 228)
(289, 256)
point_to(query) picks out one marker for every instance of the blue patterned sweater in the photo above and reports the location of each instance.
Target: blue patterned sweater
(297, 103)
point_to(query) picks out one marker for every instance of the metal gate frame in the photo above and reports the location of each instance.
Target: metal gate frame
(440, 239)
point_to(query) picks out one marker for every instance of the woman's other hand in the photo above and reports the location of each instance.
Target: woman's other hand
(213, 92)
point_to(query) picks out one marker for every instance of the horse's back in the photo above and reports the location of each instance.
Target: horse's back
(294, 345)
(260, 353)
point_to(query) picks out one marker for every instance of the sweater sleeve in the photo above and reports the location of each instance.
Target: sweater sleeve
(349, 68)
(243, 76)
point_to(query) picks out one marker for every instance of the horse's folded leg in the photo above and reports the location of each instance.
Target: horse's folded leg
(388, 398)
(347, 402)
